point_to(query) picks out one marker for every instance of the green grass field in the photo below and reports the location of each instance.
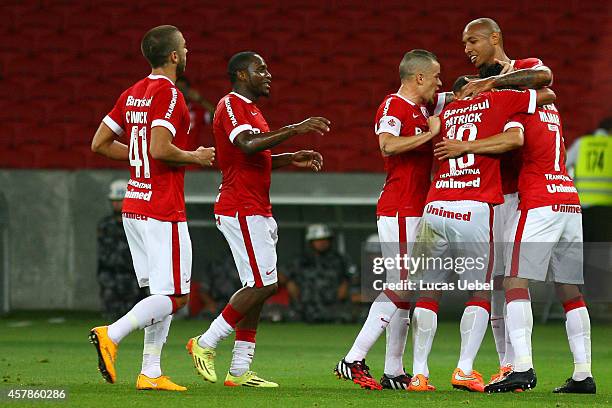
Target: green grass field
(299, 357)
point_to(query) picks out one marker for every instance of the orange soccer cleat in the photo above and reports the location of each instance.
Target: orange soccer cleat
(161, 383)
(107, 352)
(503, 371)
(420, 383)
(472, 382)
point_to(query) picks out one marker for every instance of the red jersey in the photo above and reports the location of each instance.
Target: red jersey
(510, 162)
(543, 178)
(408, 173)
(245, 187)
(474, 176)
(155, 189)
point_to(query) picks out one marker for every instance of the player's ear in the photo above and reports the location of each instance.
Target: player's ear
(174, 57)
(241, 75)
(494, 38)
(419, 78)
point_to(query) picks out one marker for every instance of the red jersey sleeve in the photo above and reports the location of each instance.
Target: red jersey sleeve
(512, 101)
(438, 104)
(163, 109)
(389, 117)
(515, 121)
(528, 63)
(115, 119)
(234, 117)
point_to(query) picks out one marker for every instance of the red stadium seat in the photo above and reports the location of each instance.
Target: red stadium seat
(16, 158)
(73, 59)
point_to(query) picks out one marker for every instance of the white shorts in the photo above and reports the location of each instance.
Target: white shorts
(547, 245)
(504, 217)
(252, 239)
(457, 237)
(161, 253)
(392, 233)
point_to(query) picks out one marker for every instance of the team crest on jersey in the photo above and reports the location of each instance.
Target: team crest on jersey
(391, 122)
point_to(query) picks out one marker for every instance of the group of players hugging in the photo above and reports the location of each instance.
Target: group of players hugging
(501, 179)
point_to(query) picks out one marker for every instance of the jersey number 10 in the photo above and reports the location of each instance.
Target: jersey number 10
(134, 154)
(459, 134)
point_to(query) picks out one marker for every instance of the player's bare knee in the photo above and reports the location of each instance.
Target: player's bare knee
(180, 301)
(482, 294)
(271, 289)
(566, 291)
(514, 283)
(431, 294)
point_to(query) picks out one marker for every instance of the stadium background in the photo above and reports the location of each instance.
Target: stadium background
(64, 63)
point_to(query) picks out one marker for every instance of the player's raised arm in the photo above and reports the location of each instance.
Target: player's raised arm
(250, 142)
(391, 145)
(500, 143)
(532, 78)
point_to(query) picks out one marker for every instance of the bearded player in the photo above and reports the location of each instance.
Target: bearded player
(547, 236)
(153, 116)
(404, 136)
(243, 212)
(484, 46)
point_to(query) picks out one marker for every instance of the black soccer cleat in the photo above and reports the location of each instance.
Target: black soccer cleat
(571, 386)
(400, 382)
(515, 380)
(357, 372)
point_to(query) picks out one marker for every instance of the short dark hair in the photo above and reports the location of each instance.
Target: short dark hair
(158, 43)
(486, 71)
(461, 82)
(414, 61)
(239, 62)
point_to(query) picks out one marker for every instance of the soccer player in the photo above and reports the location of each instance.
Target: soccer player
(404, 135)
(458, 222)
(550, 222)
(484, 46)
(243, 212)
(153, 116)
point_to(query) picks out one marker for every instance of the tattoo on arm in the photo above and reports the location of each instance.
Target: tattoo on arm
(524, 78)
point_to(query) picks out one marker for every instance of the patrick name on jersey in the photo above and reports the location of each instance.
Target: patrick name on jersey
(458, 122)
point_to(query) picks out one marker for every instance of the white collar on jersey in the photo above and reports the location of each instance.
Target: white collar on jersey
(244, 98)
(151, 76)
(406, 99)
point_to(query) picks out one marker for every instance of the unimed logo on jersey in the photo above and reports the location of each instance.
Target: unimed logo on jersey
(172, 103)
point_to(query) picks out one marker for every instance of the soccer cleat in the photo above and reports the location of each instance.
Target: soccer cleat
(358, 372)
(203, 359)
(503, 371)
(162, 383)
(515, 380)
(472, 382)
(107, 352)
(400, 382)
(571, 386)
(420, 383)
(248, 379)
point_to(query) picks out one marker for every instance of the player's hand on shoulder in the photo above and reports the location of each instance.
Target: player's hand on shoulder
(205, 155)
(434, 123)
(506, 66)
(315, 124)
(476, 86)
(307, 159)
